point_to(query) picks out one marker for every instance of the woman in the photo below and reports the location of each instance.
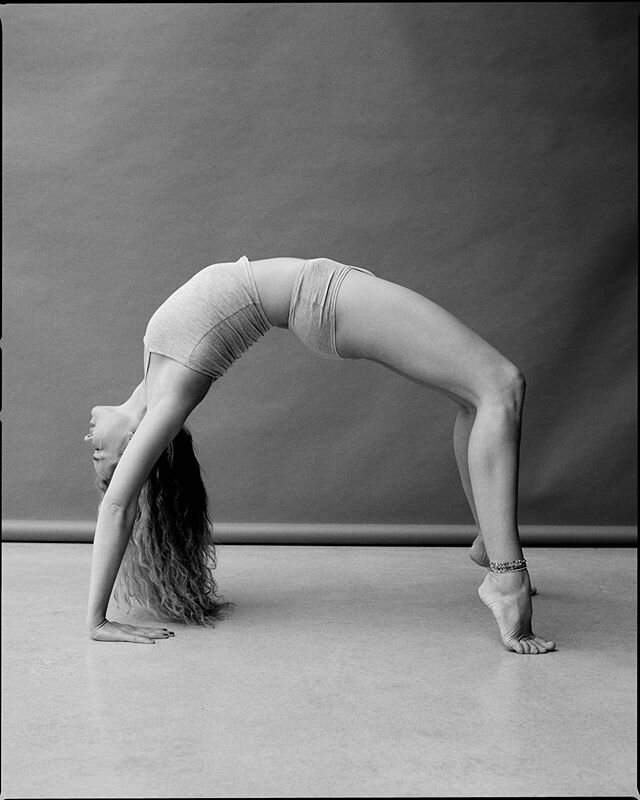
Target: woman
(337, 311)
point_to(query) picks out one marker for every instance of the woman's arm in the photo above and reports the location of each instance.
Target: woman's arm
(118, 511)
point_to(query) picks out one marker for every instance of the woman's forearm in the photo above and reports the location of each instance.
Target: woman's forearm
(112, 534)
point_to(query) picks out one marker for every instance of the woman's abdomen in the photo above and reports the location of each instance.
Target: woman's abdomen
(275, 278)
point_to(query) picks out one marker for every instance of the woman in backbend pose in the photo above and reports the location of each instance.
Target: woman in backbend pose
(150, 477)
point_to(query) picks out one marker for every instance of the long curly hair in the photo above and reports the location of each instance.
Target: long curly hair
(169, 561)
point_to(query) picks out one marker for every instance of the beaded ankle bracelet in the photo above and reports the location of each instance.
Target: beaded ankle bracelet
(508, 566)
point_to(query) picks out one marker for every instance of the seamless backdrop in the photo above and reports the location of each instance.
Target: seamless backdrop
(482, 154)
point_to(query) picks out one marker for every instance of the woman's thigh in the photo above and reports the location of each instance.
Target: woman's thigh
(415, 337)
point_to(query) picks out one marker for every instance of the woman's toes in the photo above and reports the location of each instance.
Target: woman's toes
(544, 646)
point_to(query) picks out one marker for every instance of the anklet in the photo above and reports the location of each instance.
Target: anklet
(508, 566)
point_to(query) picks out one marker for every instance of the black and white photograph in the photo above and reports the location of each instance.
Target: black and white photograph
(319, 400)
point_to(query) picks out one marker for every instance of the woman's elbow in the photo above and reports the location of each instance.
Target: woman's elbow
(118, 509)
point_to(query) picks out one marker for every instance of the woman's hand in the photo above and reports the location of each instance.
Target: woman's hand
(119, 632)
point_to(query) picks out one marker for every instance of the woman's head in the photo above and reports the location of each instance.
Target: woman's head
(168, 564)
(110, 432)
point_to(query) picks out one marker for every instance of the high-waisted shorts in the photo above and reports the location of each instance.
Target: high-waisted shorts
(211, 320)
(312, 313)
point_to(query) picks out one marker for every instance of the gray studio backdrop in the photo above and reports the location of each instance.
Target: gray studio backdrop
(481, 154)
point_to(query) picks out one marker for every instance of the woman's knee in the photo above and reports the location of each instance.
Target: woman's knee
(506, 389)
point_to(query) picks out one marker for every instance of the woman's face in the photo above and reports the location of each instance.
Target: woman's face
(110, 431)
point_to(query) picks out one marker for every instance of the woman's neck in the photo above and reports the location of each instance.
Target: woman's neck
(136, 406)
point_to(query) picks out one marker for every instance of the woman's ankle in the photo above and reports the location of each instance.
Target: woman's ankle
(508, 582)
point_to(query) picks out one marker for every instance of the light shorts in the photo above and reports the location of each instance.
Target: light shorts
(312, 312)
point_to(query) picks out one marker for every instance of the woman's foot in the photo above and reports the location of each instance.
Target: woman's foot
(477, 552)
(508, 596)
(478, 555)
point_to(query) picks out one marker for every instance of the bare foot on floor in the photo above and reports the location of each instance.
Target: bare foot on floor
(508, 596)
(478, 555)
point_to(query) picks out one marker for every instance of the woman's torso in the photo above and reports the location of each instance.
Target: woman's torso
(275, 278)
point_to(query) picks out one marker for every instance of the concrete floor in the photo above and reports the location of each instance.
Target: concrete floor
(344, 672)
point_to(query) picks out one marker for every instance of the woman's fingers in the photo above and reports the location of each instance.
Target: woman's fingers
(120, 632)
(156, 633)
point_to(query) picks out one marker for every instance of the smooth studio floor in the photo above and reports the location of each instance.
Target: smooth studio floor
(344, 671)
